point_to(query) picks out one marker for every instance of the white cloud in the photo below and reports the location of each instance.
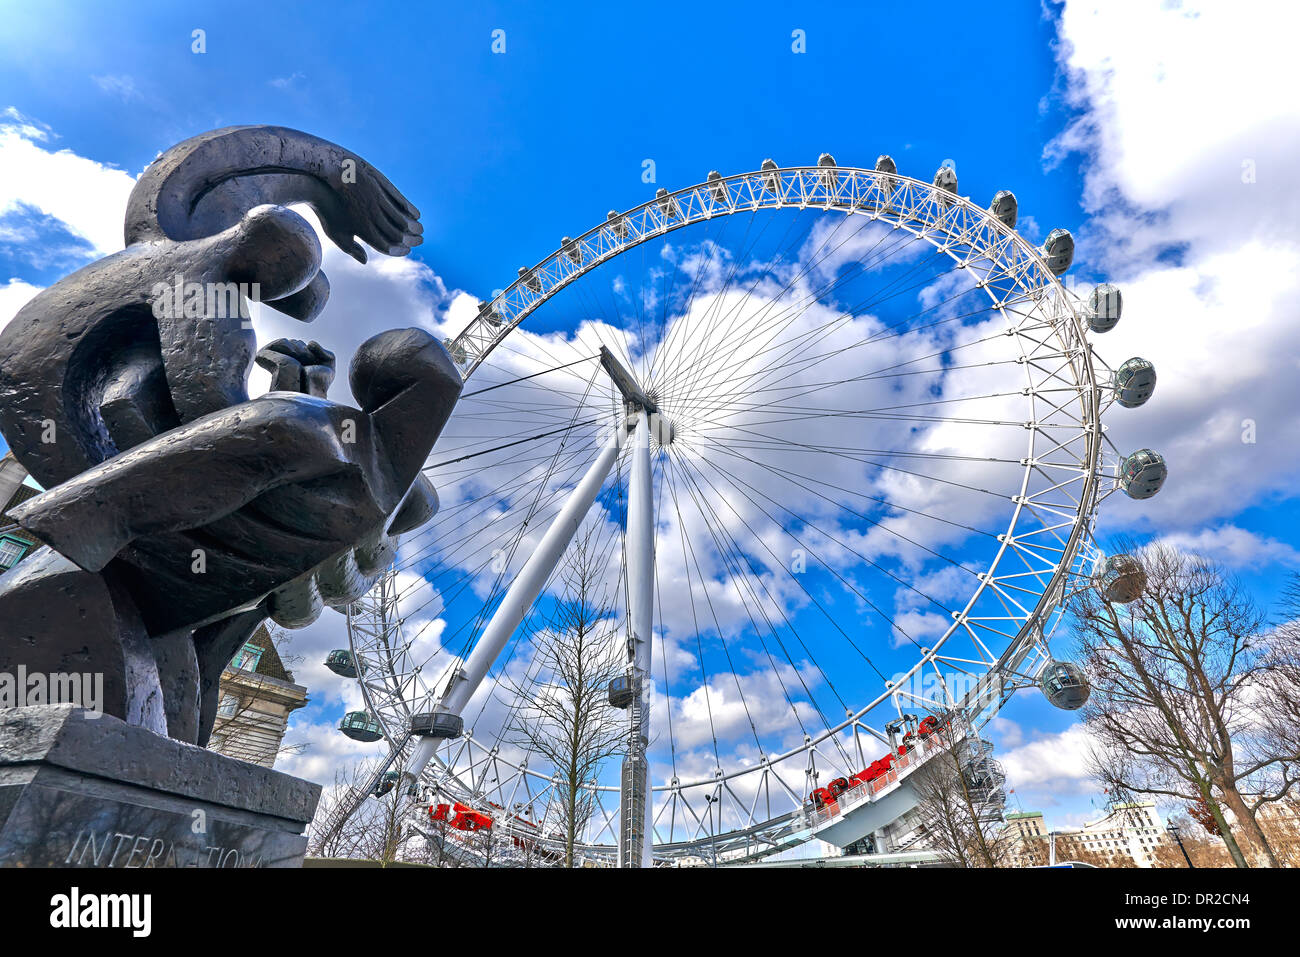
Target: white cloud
(286, 82)
(1189, 139)
(121, 86)
(88, 197)
(1233, 546)
(1055, 763)
(13, 296)
(1009, 734)
(326, 751)
(385, 293)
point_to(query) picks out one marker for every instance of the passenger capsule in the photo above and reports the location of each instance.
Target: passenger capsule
(1142, 473)
(945, 178)
(1064, 684)
(361, 726)
(772, 182)
(530, 280)
(1104, 307)
(667, 205)
(387, 781)
(716, 189)
(1005, 207)
(341, 662)
(617, 225)
(456, 350)
(437, 724)
(886, 166)
(1058, 251)
(572, 250)
(488, 313)
(1120, 579)
(620, 692)
(1135, 380)
(830, 178)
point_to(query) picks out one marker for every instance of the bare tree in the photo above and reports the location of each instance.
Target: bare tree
(1040, 849)
(326, 835)
(369, 829)
(342, 817)
(437, 844)
(1203, 847)
(1279, 700)
(1176, 676)
(960, 796)
(566, 717)
(390, 831)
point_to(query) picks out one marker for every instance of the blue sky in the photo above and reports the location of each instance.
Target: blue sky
(1093, 124)
(508, 152)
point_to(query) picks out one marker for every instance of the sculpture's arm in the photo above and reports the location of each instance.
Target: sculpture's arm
(205, 184)
(194, 475)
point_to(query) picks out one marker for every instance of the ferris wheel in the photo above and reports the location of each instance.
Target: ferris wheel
(832, 441)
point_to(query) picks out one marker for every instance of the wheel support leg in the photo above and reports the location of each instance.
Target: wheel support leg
(635, 826)
(518, 600)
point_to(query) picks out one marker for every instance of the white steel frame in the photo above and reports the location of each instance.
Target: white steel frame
(1066, 398)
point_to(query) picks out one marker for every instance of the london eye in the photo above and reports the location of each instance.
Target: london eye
(833, 440)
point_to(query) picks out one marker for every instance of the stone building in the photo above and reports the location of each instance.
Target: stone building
(1132, 830)
(1027, 825)
(1127, 836)
(257, 695)
(15, 544)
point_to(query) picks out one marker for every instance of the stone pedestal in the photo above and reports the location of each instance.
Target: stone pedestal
(78, 790)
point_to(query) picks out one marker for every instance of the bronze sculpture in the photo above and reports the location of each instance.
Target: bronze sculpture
(179, 513)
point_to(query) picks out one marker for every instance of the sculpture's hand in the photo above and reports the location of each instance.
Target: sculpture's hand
(205, 184)
(367, 205)
(298, 366)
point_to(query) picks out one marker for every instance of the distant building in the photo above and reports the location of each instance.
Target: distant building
(1027, 824)
(15, 544)
(1280, 822)
(257, 695)
(1276, 814)
(1129, 829)
(1127, 836)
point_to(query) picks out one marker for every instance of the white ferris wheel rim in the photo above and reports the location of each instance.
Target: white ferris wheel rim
(949, 222)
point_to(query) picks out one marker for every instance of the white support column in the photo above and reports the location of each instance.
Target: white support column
(519, 598)
(636, 810)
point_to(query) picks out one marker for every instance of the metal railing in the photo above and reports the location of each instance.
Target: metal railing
(863, 791)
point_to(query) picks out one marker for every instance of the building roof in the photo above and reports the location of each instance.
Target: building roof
(25, 490)
(1024, 814)
(23, 493)
(269, 664)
